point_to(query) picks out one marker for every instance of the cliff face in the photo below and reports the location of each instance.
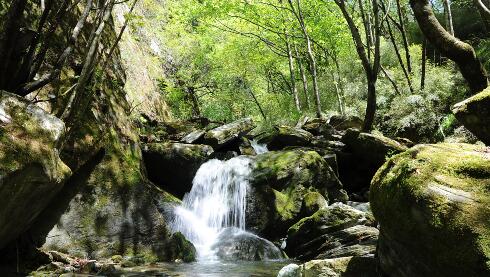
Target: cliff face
(107, 206)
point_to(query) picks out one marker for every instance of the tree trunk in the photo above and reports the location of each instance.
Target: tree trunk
(9, 38)
(460, 52)
(303, 77)
(424, 64)
(311, 55)
(404, 36)
(484, 13)
(292, 72)
(449, 17)
(371, 105)
(257, 103)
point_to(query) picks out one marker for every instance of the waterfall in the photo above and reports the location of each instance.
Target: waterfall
(259, 148)
(215, 202)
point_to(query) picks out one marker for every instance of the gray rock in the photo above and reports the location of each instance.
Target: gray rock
(474, 113)
(224, 135)
(31, 171)
(339, 267)
(237, 245)
(172, 166)
(284, 136)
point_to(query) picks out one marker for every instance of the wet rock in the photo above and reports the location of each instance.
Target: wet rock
(336, 231)
(313, 202)
(237, 245)
(432, 206)
(172, 166)
(474, 113)
(31, 170)
(339, 267)
(225, 135)
(362, 156)
(178, 247)
(284, 136)
(194, 136)
(344, 122)
(280, 180)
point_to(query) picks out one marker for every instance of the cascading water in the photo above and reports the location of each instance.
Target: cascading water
(215, 202)
(259, 148)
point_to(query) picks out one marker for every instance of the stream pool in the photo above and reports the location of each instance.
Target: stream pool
(209, 269)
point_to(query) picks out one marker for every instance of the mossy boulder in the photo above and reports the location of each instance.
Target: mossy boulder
(227, 136)
(432, 203)
(344, 122)
(336, 231)
(179, 248)
(172, 165)
(474, 113)
(31, 170)
(362, 156)
(280, 180)
(283, 136)
(339, 267)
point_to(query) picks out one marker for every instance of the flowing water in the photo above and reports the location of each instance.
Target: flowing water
(259, 148)
(215, 202)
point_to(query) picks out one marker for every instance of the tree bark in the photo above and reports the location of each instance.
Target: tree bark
(460, 52)
(484, 13)
(424, 64)
(449, 17)
(303, 77)
(292, 72)
(404, 36)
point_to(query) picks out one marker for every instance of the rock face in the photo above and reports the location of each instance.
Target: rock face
(284, 136)
(362, 156)
(432, 204)
(474, 113)
(236, 245)
(179, 248)
(339, 267)
(280, 180)
(30, 169)
(226, 134)
(342, 122)
(336, 231)
(172, 166)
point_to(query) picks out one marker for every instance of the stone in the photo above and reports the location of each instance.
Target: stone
(474, 113)
(225, 135)
(344, 122)
(362, 156)
(280, 180)
(336, 231)
(432, 204)
(313, 202)
(339, 267)
(234, 244)
(31, 171)
(284, 136)
(194, 136)
(172, 166)
(319, 127)
(291, 270)
(178, 247)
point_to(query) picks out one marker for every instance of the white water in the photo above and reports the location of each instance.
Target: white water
(259, 148)
(215, 202)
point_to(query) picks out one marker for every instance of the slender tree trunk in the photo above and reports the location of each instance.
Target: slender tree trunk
(89, 64)
(484, 11)
(460, 52)
(9, 38)
(338, 93)
(424, 64)
(399, 57)
(303, 77)
(54, 73)
(292, 72)
(404, 36)
(449, 17)
(257, 103)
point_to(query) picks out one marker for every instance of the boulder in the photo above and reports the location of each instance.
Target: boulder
(339, 267)
(237, 245)
(194, 136)
(432, 204)
(280, 180)
(284, 136)
(344, 122)
(225, 135)
(31, 171)
(179, 248)
(474, 113)
(336, 231)
(172, 165)
(362, 156)
(319, 127)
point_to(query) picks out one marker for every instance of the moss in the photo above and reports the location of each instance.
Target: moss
(437, 195)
